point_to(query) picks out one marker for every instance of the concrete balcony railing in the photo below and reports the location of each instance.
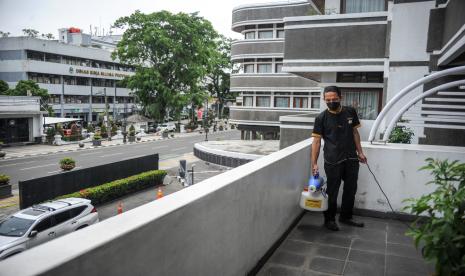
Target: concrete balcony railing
(267, 13)
(267, 82)
(263, 116)
(19, 104)
(257, 48)
(224, 225)
(84, 90)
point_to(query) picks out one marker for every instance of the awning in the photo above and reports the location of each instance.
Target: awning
(56, 120)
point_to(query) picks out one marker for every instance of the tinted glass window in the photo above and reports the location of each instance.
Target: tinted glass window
(44, 224)
(62, 217)
(77, 211)
(15, 227)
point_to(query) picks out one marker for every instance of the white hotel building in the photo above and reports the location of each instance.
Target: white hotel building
(77, 70)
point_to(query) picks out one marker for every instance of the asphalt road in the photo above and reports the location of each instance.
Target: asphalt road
(38, 166)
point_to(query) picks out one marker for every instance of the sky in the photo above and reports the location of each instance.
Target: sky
(47, 16)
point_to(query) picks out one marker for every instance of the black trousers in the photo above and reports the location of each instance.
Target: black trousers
(348, 172)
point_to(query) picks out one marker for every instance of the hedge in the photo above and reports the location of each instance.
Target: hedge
(118, 188)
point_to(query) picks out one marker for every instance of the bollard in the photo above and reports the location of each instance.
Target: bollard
(120, 208)
(159, 193)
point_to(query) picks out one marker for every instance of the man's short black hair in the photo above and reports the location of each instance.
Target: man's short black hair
(332, 88)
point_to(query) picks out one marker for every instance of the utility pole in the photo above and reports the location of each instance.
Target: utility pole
(206, 120)
(107, 115)
(124, 122)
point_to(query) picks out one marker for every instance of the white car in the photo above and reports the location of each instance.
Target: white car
(44, 222)
(166, 127)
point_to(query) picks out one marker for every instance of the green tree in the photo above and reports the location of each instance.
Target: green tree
(171, 53)
(30, 32)
(4, 34)
(4, 88)
(22, 88)
(219, 79)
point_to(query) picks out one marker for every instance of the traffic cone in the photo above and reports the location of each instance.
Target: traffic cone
(159, 193)
(120, 208)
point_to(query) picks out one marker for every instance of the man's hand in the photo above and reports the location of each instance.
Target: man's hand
(362, 158)
(314, 169)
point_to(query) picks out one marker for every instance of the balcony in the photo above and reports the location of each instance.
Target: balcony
(267, 82)
(257, 48)
(229, 224)
(267, 13)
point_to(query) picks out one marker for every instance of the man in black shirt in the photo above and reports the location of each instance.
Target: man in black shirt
(342, 151)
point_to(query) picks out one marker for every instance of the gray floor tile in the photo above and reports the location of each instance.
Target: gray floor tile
(371, 246)
(363, 269)
(371, 235)
(272, 270)
(327, 265)
(339, 240)
(397, 235)
(286, 258)
(396, 265)
(298, 247)
(403, 250)
(371, 258)
(314, 273)
(339, 253)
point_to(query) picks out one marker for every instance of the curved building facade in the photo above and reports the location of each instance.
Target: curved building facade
(266, 91)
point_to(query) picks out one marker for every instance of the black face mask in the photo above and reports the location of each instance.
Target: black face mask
(333, 106)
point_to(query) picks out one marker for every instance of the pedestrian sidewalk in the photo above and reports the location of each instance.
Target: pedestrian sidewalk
(34, 150)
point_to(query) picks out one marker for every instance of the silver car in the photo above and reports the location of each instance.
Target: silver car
(41, 223)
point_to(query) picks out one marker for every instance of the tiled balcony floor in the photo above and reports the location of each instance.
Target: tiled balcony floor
(380, 248)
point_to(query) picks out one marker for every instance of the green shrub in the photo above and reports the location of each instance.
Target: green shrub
(90, 129)
(442, 231)
(118, 188)
(103, 131)
(97, 137)
(67, 161)
(114, 128)
(132, 131)
(4, 179)
(401, 134)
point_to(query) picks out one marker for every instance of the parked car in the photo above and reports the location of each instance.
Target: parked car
(166, 127)
(44, 222)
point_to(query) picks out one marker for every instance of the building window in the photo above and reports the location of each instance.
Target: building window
(250, 35)
(263, 101)
(265, 34)
(248, 101)
(365, 101)
(278, 68)
(355, 6)
(316, 102)
(281, 101)
(52, 58)
(300, 102)
(54, 99)
(279, 33)
(264, 68)
(249, 68)
(360, 77)
(32, 55)
(82, 81)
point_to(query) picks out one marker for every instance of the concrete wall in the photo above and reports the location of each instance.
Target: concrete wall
(339, 42)
(221, 226)
(261, 114)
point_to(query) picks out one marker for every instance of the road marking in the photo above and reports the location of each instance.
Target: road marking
(113, 154)
(14, 164)
(159, 147)
(62, 170)
(48, 165)
(90, 153)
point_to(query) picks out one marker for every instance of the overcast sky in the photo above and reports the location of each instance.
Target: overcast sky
(47, 16)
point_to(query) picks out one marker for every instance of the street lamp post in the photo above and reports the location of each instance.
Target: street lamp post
(206, 120)
(124, 122)
(107, 115)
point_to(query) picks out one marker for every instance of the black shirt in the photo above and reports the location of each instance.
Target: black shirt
(336, 129)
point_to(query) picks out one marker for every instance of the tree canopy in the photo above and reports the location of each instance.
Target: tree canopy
(22, 88)
(173, 55)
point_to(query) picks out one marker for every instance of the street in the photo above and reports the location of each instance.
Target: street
(33, 167)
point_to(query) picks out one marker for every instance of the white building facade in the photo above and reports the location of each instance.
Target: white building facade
(77, 77)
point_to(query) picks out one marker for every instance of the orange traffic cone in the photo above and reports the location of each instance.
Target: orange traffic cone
(120, 208)
(159, 193)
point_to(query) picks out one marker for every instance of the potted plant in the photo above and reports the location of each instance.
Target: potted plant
(440, 226)
(67, 164)
(97, 140)
(5, 186)
(132, 134)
